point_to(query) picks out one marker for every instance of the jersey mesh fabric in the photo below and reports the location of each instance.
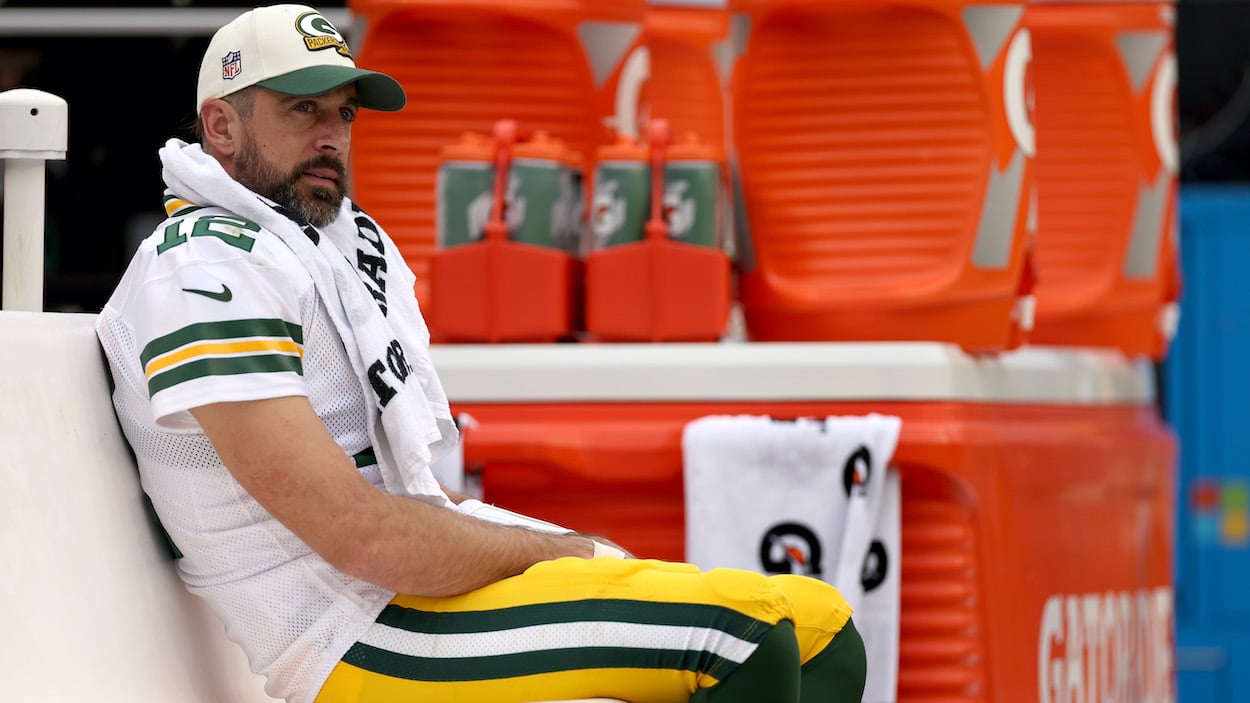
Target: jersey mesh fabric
(293, 613)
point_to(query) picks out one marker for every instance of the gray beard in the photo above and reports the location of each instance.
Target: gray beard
(318, 209)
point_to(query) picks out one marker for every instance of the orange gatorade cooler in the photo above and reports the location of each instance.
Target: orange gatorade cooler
(883, 169)
(1036, 488)
(1104, 75)
(503, 271)
(555, 65)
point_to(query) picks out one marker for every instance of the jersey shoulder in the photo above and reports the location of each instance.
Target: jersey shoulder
(199, 248)
(193, 232)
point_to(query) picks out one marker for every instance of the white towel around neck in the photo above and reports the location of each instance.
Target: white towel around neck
(409, 430)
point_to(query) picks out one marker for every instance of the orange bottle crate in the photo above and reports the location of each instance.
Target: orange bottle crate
(496, 289)
(647, 285)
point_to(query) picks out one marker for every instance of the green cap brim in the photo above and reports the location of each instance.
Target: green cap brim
(376, 91)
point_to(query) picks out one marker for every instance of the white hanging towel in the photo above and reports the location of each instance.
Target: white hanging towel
(876, 603)
(801, 496)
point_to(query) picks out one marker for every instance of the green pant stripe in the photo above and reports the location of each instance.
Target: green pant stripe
(590, 610)
(224, 366)
(386, 663)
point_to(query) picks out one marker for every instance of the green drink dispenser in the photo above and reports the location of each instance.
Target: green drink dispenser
(466, 179)
(693, 192)
(622, 195)
(541, 193)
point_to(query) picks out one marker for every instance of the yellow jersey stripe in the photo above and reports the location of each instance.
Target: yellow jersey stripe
(177, 356)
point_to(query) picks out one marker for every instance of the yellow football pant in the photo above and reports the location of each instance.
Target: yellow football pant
(645, 631)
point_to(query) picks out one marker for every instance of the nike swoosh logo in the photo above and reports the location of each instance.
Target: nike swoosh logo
(224, 295)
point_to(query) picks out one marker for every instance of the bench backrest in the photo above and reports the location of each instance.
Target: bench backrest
(92, 606)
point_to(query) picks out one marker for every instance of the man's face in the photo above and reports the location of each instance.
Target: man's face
(294, 151)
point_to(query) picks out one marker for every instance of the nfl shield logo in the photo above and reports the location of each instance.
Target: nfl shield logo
(231, 65)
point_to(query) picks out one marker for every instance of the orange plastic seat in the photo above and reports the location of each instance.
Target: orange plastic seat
(884, 161)
(1104, 75)
(686, 85)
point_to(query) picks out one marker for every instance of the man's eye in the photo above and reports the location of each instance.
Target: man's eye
(305, 107)
(348, 115)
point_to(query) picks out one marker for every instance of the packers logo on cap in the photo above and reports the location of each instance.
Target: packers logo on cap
(320, 34)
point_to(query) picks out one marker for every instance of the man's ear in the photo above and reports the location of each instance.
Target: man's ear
(222, 127)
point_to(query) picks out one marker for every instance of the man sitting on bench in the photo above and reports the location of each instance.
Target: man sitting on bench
(273, 378)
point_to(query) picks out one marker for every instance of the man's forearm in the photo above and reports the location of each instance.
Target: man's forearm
(283, 456)
(421, 549)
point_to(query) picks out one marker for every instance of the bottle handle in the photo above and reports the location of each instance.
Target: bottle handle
(505, 135)
(659, 133)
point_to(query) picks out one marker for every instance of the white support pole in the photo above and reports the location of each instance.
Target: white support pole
(34, 127)
(23, 235)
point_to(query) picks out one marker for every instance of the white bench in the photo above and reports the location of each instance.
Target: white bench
(93, 608)
(91, 603)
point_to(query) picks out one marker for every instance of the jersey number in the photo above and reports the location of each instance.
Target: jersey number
(228, 229)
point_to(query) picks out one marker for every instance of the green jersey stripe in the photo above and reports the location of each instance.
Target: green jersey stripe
(224, 366)
(591, 610)
(226, 329)
(386, 663)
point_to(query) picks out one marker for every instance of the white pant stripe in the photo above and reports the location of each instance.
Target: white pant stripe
(537, 638)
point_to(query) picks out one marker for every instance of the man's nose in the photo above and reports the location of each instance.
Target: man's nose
(334, 134)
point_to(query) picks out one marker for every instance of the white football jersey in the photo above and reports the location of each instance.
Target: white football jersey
(212, 309)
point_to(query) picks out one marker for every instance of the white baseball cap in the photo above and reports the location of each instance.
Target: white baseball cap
(291, 49)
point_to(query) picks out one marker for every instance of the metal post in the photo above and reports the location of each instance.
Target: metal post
(34, 127)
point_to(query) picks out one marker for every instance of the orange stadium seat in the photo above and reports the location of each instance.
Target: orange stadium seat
(1104, 74)
(883, 160)
(687, 83)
